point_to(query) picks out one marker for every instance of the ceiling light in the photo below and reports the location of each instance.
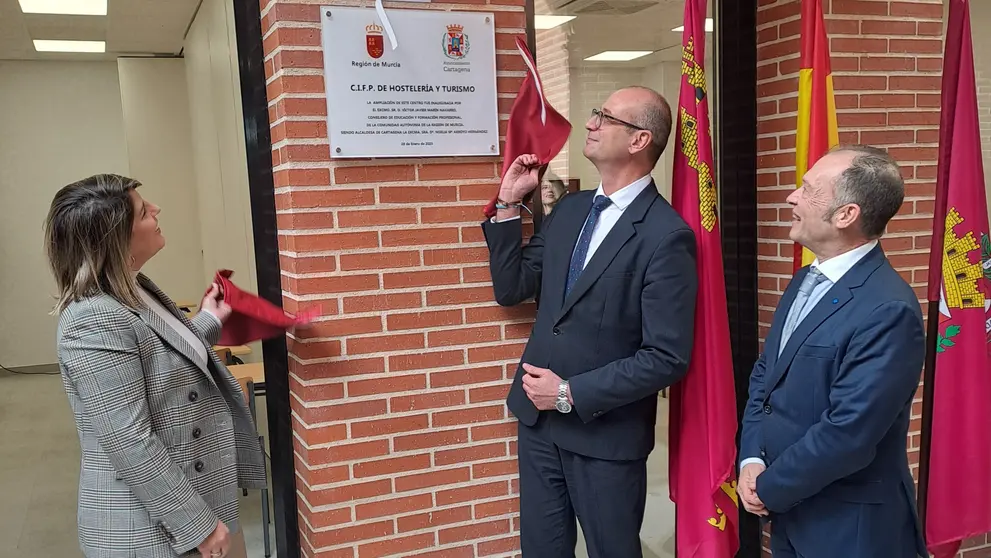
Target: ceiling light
(708, 26)
(65, 7)
(618, 55)
(550, 21)
(70, 46)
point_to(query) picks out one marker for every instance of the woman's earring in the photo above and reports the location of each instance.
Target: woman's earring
(131, 261)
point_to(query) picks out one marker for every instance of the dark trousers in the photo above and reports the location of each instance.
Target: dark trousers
(556, 485)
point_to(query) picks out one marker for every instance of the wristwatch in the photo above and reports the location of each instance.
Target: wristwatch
(562, 403)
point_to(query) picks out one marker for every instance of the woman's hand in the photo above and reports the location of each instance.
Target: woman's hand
(214, 303)
(218, 543)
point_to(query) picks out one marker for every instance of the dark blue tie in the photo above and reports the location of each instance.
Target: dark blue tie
(581, 249)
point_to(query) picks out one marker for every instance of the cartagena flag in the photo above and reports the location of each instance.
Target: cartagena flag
(959, 475)
(702, 456)
(816, 132)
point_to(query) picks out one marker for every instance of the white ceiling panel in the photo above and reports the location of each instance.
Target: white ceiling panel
(131, 27)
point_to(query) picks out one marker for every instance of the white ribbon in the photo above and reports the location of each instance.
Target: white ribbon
(536, 80)
(380, 10)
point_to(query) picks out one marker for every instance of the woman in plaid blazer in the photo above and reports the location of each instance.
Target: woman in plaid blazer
(165, 433)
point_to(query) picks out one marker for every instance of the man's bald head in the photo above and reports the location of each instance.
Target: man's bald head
(654, 115)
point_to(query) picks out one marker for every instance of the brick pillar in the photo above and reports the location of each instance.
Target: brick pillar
(886, 61)
(403, 446)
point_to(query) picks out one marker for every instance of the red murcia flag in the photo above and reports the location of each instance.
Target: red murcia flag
(374, 41)
(703, 425)
(959, 477)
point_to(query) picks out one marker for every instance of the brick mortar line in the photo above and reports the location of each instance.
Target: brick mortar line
(318, 382)
(397, 455)
(446, 368)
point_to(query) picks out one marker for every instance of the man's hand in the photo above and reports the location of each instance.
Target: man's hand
(747, 488)
(215, 304)
(520, 179)
(217, 544)
(541, 386)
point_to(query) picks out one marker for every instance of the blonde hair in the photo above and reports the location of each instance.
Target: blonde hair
(88, 239)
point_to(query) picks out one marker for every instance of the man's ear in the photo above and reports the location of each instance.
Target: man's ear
(846, 216)
(641, 141)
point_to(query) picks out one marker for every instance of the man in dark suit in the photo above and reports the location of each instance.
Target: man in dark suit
(824, 433)
(615, 272)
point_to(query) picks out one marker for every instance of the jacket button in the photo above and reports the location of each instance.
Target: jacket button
(557, 331)
(597, 414)
(763, 453)
(767, 409)
(198, 466)
(196, 433)
(193, 396)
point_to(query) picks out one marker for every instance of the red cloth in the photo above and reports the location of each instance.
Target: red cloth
(703, 405)
(534, 126)
(959, 476)
(253, 318)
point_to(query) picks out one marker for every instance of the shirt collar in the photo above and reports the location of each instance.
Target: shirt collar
(623, 197)
(835, 268)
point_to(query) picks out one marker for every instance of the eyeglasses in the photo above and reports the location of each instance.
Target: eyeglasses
(598, 116)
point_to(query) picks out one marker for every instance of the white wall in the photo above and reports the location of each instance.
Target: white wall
(61, 122)
(157, 129)
(220, 163)
(64, 121)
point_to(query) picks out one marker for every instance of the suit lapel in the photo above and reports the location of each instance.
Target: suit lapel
(165, 331)
(835, 298)
(621, 233)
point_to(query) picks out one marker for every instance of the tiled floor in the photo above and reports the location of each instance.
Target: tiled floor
(39, 473)
(39, 470)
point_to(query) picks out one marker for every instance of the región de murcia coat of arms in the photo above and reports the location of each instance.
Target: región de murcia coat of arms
(961, 279)
(456, 43)
(374, 41)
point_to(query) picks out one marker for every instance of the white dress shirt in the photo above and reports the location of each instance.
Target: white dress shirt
(833, 270)
(621, 199)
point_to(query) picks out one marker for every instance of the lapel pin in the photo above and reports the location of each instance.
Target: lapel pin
(835, 300)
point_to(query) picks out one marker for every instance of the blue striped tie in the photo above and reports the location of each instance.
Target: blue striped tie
(581, 249)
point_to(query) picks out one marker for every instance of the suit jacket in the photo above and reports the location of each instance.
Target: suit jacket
(621, 335)
(830, 416)
(165, 442)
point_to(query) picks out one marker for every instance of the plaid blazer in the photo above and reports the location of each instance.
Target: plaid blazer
(166, 442)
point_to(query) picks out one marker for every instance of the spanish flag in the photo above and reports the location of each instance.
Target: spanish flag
(816, 132)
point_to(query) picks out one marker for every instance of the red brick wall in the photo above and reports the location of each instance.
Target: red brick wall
(403, 443)
(886, 71)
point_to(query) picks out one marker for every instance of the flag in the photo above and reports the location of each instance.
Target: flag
(816, 131)
(702, 456)
(253, 318)
(534, 126)
(959, 475)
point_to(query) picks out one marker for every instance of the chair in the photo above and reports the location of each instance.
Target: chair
(251, 376)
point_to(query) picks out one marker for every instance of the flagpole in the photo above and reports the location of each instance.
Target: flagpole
(928, 385)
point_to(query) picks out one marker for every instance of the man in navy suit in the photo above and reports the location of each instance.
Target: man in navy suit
(824, 433)
(614, 269)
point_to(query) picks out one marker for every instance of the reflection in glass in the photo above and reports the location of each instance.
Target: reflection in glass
(552, 189)
(585, 50)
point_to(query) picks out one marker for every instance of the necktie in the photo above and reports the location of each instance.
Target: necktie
(581, 249)
(812, 279)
